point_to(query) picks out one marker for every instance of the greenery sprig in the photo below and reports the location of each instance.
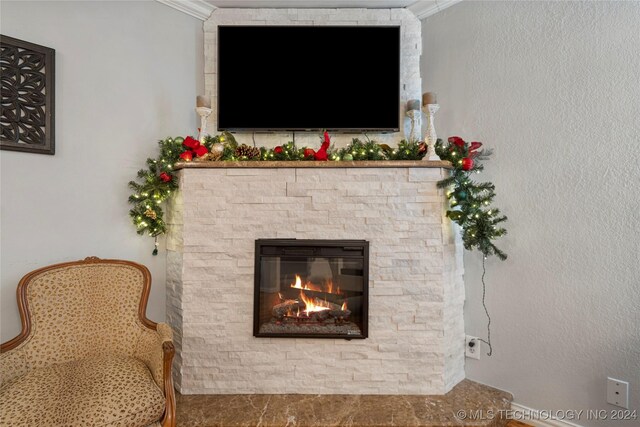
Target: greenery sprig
(287, 152)
(408, 150)
(470, 201)
(359, 150)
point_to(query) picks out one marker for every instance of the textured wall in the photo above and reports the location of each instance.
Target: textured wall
(416, 327)
(127, 74)
(411, 43)
(553, 87)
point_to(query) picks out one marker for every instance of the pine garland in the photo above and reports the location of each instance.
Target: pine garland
(155, 184)
(408, 150)
(470, 200)
(288, 152)
(153, 187)
(359, 150)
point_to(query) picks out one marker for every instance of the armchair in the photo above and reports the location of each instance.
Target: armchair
(87, 354)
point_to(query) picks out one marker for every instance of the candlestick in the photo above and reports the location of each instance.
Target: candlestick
(413, 104)
(415, 116)
(430, 136)
(204, 112)
(413, 112)
(429, 98)
(203, 101)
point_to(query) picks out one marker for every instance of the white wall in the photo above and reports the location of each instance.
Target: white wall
(553, 87)
(127, 74)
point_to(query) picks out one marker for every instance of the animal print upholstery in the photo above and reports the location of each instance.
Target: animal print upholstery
(88, 356)
(149, 350)
(97, 391)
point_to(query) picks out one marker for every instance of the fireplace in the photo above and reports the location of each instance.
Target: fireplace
(414, 289)
(311, 288)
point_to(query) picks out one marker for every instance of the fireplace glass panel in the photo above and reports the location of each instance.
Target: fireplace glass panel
(311, 288)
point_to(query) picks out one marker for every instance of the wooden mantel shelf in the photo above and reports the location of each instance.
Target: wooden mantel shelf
(313, 164)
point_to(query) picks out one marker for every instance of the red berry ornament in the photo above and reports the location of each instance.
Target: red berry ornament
(278, 150)
(467, 163)
(309, 153)
(165, 177)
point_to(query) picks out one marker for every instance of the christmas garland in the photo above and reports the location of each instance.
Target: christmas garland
(156, 183)
(469, 200)
(470, 203)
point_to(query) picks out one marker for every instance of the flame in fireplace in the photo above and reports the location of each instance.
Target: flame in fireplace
(313, 305)
(344, 305)
(308, 286)
(329, 288)
(329, 285)
(298, 284)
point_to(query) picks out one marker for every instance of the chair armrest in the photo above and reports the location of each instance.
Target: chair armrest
(156, 350)
(149, 349)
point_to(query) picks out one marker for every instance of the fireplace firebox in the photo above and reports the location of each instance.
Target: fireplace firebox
(311, 288)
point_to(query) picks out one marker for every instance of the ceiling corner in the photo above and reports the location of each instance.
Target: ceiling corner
(197, 8)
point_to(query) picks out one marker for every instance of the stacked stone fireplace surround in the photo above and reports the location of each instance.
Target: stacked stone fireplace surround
(416, 292)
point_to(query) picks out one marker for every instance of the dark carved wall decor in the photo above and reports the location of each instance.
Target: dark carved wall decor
(28, 80)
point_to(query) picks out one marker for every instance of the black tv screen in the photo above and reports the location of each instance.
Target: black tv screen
(308, 78)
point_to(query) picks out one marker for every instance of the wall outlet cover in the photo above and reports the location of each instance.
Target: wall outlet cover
(472, 347)
(618, 392)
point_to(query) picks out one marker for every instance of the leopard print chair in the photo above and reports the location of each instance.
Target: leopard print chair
(87, 355)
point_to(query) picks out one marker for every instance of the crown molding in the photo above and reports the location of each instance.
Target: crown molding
(423, 9)
(202, 10)
(197, 8)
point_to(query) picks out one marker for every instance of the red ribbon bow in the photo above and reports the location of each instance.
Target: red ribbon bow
(195, 147)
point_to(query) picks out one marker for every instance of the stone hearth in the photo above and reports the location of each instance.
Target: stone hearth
(416, 293)
(486, 405)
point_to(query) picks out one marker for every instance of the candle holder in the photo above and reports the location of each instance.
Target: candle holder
(430, 136)
(203, 112)
(414, 116)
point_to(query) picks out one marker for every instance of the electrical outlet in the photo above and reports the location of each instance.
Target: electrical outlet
(618, 392)
(472, 347)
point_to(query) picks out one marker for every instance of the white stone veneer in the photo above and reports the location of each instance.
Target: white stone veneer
(416, 331)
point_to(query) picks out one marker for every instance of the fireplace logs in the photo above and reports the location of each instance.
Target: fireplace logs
(289, 306)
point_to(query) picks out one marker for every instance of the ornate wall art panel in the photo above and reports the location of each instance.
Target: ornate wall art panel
(28, 79)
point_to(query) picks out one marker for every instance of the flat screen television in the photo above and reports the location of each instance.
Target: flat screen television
(296, 78)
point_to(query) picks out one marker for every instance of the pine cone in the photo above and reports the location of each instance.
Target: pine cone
(149, 213)
(245, 152)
